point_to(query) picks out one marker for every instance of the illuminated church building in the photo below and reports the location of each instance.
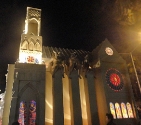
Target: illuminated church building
(57, 86)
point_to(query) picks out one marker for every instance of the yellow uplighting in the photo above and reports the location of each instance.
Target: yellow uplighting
(50, 105)
(48, 120)
(34, 57)
(26, 27)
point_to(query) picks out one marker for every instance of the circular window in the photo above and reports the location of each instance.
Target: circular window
(109, 51)
(114, 79)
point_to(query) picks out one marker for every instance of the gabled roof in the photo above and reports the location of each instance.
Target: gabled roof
(99, 53)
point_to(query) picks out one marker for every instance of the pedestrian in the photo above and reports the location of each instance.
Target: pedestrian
(109, 119)
(15, 123)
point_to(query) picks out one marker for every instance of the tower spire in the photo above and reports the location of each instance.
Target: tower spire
(31, 42)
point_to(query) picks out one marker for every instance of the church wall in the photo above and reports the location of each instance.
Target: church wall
(29, 84)
(66, 101)
(8, 94)
(85, 100)
(91, 100)
(115, 83)
(58, 111)
(79, 99)
(85, 106)
(101, 97)
(75, 100)
(124, 95)
(48, 99)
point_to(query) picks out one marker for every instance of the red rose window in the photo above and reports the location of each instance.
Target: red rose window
(114, 79)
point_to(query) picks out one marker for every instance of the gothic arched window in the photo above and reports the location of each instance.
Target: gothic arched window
(37, 46)
(129, 110)
(24, 45)
(22, 113)
(32, 113)
(124, 110)
(118, 111)
(112, 109)
(31, 46)
(33, 27)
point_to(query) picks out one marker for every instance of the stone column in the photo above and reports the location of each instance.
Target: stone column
(8, 94)
(92, 98)
(58, 111)
(75, 99)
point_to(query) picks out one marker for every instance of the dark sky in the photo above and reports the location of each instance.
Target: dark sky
(73, 24)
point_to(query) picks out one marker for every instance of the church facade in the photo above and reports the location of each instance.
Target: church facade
(57, 86)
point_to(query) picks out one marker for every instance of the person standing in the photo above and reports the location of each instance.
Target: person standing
(109, 119)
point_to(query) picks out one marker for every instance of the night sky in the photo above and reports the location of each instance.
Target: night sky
(72, 24)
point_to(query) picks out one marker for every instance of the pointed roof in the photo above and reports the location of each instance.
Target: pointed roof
(106, 52)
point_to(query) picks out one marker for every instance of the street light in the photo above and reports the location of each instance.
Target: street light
(135, 70)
